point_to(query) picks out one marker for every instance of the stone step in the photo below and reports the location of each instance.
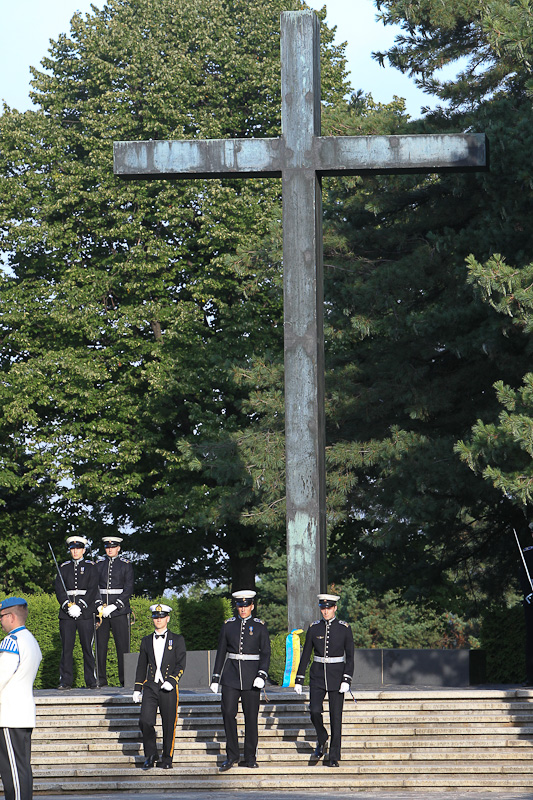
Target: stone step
(103, 727)
(61, 709)
(459, 749)
(350, 715)
(209, 765)
(316, 779)
(383, 761)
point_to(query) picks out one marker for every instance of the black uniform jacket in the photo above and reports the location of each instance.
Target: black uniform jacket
(115, 576)
(172, 664)
(242, 637)
(81, 579)
(332, 639)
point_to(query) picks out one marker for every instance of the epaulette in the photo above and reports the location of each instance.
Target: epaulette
(101, 558)
(9, 645)
(256, 619)
(88, 562)
(528, 548)
(231, 619)
(64, 564)
(342, 622)
(125, 560)
(315, 622)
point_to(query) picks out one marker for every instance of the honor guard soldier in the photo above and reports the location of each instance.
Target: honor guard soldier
(20, 657)
(160, 666)
(115, 577)
(241, 668)
(526, 582)
(331, 641)
(76, 589)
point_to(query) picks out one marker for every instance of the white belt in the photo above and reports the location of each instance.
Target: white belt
(76, 592)
(329, 659)
(111, 591)
(243, 657)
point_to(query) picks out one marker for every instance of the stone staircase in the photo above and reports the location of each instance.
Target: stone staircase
(406, 738)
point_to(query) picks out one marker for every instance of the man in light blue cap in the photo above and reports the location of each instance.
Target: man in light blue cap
(20, 657)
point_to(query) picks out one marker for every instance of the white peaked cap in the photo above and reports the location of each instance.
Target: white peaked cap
(245, 594)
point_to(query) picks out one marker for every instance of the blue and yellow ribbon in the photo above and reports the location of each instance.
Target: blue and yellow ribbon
(292, 656)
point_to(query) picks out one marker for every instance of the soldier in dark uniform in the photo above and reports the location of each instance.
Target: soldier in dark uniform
(77, 592)
(527, 602)
(160, 666)
(244, 646)
(115, 576)
(331, 641)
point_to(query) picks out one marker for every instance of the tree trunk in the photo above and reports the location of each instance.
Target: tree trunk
(243, 569)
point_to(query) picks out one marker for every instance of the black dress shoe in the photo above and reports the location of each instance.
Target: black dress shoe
(93, 686)
(333, 763)
(165, 764)
(228, 764)
(101, 684)
(150, 762)
(249, 764)
(63, 687)
(320, 749)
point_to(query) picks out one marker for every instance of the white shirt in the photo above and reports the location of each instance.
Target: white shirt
(20, 657)
(159, 649)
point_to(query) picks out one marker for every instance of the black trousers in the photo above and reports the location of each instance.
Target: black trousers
(167, 702)
(120, 627)
(15, 768)
(67, 631)
(336, 701)
(250, 706)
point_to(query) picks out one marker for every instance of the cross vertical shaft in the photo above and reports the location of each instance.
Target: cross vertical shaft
(303, 316)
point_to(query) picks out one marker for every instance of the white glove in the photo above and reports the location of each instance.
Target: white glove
(214, 688)
(108, 610)
(137, 697)
(74, 611)
(100, 610)
(259, 683)
(167, 686)
(344, 687)
(298, 688)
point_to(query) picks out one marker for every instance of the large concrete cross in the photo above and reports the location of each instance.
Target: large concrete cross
(301, 156)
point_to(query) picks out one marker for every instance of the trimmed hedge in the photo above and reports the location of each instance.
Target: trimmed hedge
(502, 637)
(198, 621)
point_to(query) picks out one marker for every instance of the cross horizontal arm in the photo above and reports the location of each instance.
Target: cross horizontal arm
(190, 158)
(357, 155)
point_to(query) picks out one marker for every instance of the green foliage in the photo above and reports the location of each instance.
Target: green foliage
(489, 40)
(132, 314)
(412, 353)
(272, 592)
(277, 658)
(201, 620)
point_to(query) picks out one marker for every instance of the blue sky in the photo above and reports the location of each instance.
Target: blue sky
(28, 26)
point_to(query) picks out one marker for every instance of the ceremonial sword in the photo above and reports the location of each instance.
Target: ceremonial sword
(523, 560)
(59, 573)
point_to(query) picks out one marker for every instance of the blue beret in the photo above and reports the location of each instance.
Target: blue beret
(9, 602)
